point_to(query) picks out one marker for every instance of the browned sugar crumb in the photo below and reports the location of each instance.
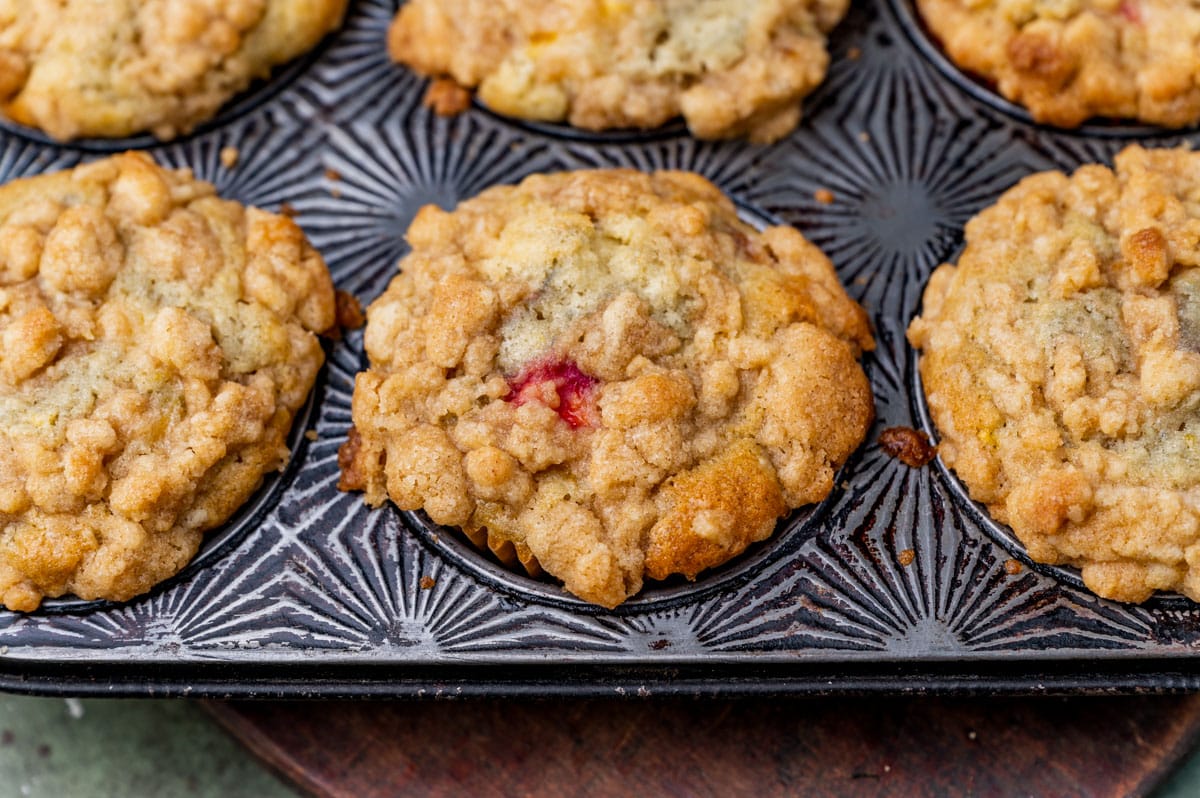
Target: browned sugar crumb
(351, 476)
(310, 434)
(229, 157)
(854, 53)
(332, 174)
(428, 583)
(1012, 567)
(78, 68)
(157, 341)
(728, 67)
(609, 376)
(446, 97)
(350, 314)
(905, 557)
(823, 196)
(909, 446)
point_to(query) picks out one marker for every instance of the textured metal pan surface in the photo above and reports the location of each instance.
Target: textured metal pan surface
(310, 593)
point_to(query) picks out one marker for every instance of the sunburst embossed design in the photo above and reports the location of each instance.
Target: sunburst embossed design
(379, 176)
(22, 159)
(277, 160)
(903, 186)
(355, 80)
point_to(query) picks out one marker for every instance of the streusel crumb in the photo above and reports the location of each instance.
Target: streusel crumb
(609, 376)
(728, 67)
(156, 342)
(117, 67)
(1061, 359)
(1068, 61)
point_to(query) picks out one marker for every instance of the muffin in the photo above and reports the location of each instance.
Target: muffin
(609, 376)
(1061, 361)
(156, 343)
(1070, 61)
(76, 68)
(728, 67)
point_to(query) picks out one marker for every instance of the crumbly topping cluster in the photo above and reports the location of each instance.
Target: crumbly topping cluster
(1061, 359)
(155, 342)
(1070, 60)
(729, 67)
(609, 376)
(113, 68)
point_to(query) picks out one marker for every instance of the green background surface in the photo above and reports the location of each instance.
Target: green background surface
(95, 748)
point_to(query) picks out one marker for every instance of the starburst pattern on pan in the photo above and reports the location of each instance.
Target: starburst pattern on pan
(277, 160)
(355, 80)
(22, 159)
(169, 619)
(1068, 151)
(359, 580)
(900, 187)
(873, 64)
(378, 176)
(740, 171)
(944, 586)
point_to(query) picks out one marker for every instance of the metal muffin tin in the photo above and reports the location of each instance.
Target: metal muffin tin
(309, 593)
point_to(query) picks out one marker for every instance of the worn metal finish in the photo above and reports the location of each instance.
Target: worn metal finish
(310, 593)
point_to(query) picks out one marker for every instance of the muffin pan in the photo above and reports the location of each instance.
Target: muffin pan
(897, 582)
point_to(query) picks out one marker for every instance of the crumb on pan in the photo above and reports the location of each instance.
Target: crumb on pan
(348, 315)
(446, 97)
(909, 446)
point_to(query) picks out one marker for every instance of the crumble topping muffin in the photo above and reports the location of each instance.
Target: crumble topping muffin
(118, 67)
(729, 67)
(1061, 360)
(156, 343)
(1068, 61)
(608, 375)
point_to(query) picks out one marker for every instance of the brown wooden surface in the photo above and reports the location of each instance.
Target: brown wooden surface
(903, 747)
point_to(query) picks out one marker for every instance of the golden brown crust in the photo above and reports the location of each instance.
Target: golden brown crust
(1060, 360)
(607, 374)
(1070, 61)
(114, 68)
(729, 67)
(157, 342)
